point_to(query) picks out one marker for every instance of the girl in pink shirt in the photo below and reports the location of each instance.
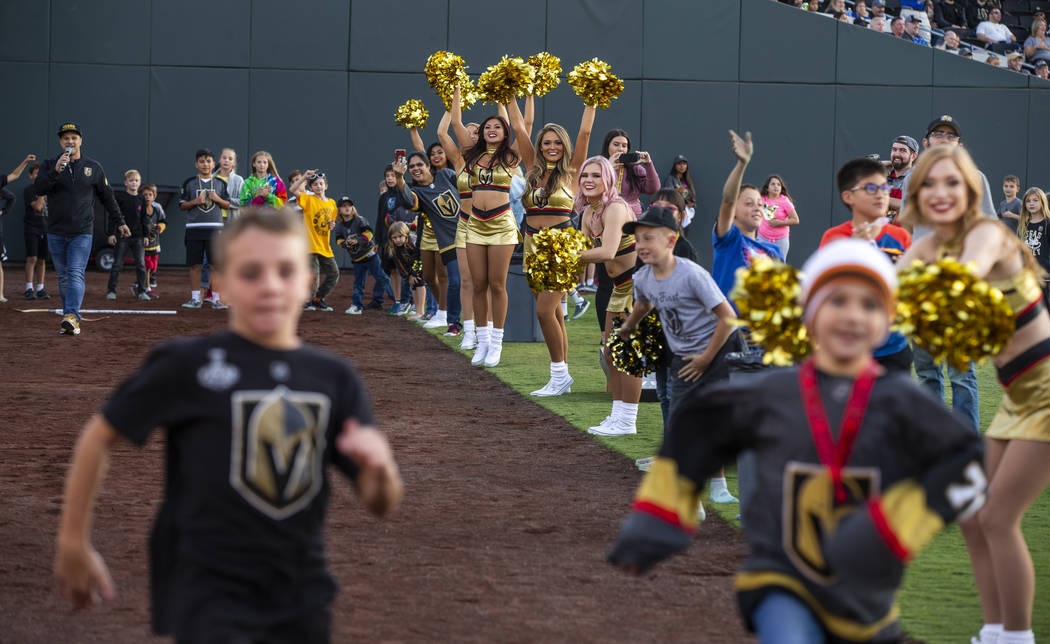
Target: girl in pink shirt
(779, 213)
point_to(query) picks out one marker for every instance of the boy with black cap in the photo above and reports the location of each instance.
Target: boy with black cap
(354, 233)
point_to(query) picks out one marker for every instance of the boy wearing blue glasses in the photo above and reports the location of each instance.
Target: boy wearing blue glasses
(865, 190)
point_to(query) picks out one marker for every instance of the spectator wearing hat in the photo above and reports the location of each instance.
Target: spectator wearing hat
(1014, 62)
(995, 35)
(354, 233)
(1042, 69)
(1037, 45)
(911, 30)
(678, 179)
(903, 152)
(71, 182)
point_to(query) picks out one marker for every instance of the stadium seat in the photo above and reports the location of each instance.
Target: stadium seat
(1016, 6)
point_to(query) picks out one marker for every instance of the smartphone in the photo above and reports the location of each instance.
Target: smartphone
(399, 155)
(629, 157)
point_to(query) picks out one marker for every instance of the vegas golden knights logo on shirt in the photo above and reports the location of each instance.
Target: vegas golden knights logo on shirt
(485, 176)
(446, 204)
(811, 513)
(277, 448)
(539, 198)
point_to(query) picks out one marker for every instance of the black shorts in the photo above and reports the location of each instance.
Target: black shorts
(195, 249)
(36, 244)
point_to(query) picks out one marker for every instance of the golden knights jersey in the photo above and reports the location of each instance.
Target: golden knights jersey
(249, 433)
(439, 203)
(840, 504)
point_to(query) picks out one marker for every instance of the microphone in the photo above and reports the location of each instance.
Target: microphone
(69, 151)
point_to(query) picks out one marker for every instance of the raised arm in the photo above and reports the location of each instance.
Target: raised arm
(296, 186)
(583, 138)
(742, 150)
(530, 115)
(417, 140)
(17, 172)
(462, 135)
(452, 153)
(521, 133)
(405, 193)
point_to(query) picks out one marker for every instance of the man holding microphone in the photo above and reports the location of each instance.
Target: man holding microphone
(71, 182)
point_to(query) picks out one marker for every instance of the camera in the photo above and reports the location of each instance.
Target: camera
(629, 157)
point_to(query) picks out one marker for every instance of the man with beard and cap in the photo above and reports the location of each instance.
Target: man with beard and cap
(903, 152)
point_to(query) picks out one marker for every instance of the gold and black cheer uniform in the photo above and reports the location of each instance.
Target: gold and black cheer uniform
(495, 227)
(538, 202)
(622, 298)
(463, 186)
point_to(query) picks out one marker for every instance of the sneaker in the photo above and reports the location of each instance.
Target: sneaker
(701, 513)
(395, 309)
(602, 425)
(454, 330)
(153, 294)
(723, 496)
(42, 295)
(321, 305)
(111, 295)
(309, 306)
(152, 282)
(207, 293)
(192, 304)
(470, 340)
(135, 290)
(29, 294)
(407, 310)
(219, 305)
(70, 326)
(555, 387)
(374, 305)
(493, 355)
(354, 310)
(580, 310)
(144, 297)
(479, 354)
(588, 288)
(2, 299)
(423, 319)
(437, 321)
(645, 464)
(617, 428)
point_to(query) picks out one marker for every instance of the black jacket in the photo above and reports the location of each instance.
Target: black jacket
(71, 196)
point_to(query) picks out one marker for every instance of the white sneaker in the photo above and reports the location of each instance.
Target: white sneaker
(470, 340)
(701, 514)
(616, 428)
(479, 354)
(600, 426)
(439, 320)
(555, 387)
(493, 354)
(723, 496)
(354, 310)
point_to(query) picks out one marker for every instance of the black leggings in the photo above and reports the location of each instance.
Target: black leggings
(601, 298)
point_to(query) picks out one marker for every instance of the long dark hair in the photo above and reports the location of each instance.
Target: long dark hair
(627, 174)
(503, 153)
(430, 149)
(685, 178)
(783, 187)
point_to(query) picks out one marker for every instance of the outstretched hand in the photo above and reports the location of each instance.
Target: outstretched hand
(743, 148)
(82, 576)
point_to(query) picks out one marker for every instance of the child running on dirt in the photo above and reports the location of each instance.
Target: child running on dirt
(253, 416)
(837, 512)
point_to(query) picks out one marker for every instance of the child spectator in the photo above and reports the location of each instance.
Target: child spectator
(837, 513)
(157, 221)
(133, 209)
(778, 213)
(292, 202)
(227, 173)
(264, 186)
(35, 234)
(353, 232)
(319, 216)
(203, 197)
(864, 189)
(253, 417)
(1010, 206)
(1032, 229)
(406, 259)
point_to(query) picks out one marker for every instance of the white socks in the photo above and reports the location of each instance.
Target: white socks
(495, 336)
(628, 413)
(29, 286)
(195, 296)
(483, 335)
(1015, 637)
(718, 484)
(214, 296)
(577, 298)
(468, 326)
(559, 369)
(564, 308)
(989, 634)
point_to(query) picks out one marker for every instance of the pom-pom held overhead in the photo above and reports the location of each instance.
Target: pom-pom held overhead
(594, 82)
(951, 313)
(555, 265)
(548, 70)
(644, 350)
(507, 79)
(444, 70)
(412, 114)
(767, 297)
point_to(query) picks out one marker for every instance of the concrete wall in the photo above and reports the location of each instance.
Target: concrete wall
(316, 84)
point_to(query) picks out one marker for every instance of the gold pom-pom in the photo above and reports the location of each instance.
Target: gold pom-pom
(767, 298)
(951, 313)
(548, 70)
(594, 82)
(555, 265)
(643, 351)
(507, 79)
(412, 114)
(444, 70)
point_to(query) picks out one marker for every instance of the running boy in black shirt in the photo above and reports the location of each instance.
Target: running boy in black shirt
(252, 416)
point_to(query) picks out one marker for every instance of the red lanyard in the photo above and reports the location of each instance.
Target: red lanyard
(835, 455)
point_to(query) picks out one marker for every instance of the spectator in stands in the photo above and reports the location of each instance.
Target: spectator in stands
(950, 14)
(995, 35)
(903, 152)
(841, 17)
(897, 28)
(1041, 70)
(1037, 45)
(911, 30)
(1014, 61)
(812, 5)
(978, 11)
(839, 5)
(993, 60)
(951, 42)
(877, 24)
(679, 180)
(966, 52)
(878, 9)
(860, 8)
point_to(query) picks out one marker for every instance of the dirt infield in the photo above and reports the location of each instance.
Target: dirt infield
(507, 515)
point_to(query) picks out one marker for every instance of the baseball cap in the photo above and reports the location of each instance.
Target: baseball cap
(680, 157)
(878, 3)
(913, 18)
(904, 139)
(945, 120)
(1038, 9)
(846, 258)
(69, 127)
(1041, 63)
(345, 199)
(655, 217)
(1015, 54)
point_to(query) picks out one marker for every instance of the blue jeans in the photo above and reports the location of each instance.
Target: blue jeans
(782, 618)
(430, 303)
(205, 272)
(69, 256)
(382, 285)
(965, 397)
(452, 301)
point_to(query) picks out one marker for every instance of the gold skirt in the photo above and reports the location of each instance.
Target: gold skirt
(622, 298)
(428, 242)
(500, 230)
(1024, 411)
(461, 233)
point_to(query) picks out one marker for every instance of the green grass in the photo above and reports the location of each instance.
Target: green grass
(938, 599)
